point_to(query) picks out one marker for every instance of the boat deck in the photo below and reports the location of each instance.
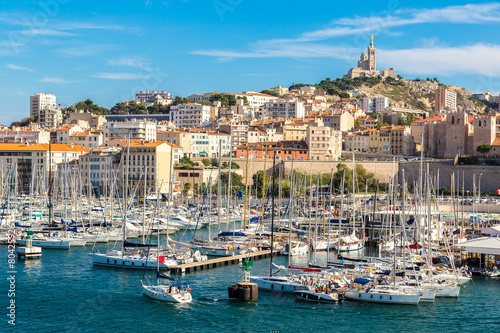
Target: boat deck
(222, 261)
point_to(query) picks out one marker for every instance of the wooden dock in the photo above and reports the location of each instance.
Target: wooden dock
(221, 261)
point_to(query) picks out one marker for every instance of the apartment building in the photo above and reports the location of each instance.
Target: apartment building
(294, 131)
(50, 118)
(143, 96)
(321, 144)
(100, 170)
(374, 104)
(35, 160)
(282, 108)
(218, 140)
(148, 165)
(357, 142)
(87, 139)
(41, 101)
(138, 129)
(190, 115)
(445, 100)
(25, 135)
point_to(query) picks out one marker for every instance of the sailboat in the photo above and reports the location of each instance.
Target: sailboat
(282, 284)
(366, 290)
(174, 293)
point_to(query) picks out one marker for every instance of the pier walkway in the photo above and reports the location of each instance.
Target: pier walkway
(221, 261)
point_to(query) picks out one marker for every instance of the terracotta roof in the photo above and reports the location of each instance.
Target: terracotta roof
(40, 147)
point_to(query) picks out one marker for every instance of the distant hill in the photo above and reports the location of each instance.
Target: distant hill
(403, 93)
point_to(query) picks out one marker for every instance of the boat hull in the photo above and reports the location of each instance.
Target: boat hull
(118, 261)
(46, 244)
(407, 299)
(161, 293)
(280, 285)
(318, 297)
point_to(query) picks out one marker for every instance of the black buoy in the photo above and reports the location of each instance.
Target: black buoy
(244, 291)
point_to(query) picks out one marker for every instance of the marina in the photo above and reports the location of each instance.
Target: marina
(218, 262)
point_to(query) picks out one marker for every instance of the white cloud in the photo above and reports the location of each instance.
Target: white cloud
(55, 80)
(19, 68)
(260, 74)
(301, 46)
(85, 50)
(133, 61)
(286, 51)
(43, 32)
(479, 59)
(121, 76)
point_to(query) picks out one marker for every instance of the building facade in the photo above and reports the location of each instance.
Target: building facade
(41, 101)
(191, 115)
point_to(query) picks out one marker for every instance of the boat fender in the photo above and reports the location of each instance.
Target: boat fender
(336, 277)
(188, 290)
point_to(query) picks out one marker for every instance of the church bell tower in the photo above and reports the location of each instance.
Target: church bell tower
(371, 56)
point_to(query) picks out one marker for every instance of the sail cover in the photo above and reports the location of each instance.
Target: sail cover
(161, 276)
(130, 244)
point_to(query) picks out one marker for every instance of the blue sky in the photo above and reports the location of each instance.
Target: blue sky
(108, 50)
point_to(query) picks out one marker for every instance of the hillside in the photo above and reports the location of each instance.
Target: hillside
(403, 93)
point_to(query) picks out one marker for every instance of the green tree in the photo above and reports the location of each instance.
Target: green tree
(270, 92)
(483, 149)
(186, 163)
(234, 165)
(236, 181)
(129, 108)
(378, 124)
(225, 99)
(25, 121)
(86, 105)
(206, 162)
(158, 109)
(187, 187)
(407, 120)
(357, 123)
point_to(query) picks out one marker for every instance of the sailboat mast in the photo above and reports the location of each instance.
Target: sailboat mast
(330, 212)
(246, 195)
(144, 203)
(50, 188)
(290, 214)
(125, 190)
(219, 192)
(272, 215)
(229, 184)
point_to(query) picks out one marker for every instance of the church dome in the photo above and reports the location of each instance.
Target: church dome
(364, 56)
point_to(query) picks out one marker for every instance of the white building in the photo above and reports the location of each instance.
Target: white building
(487, 97)
(50, 118)
(191, 115)
(143, 96)
(34, 160)
(358, 142)
(202, 97)
(218, 140)
(374, 104)
(280, 90)
(255, 99)
(139, 130)
(23, 135)
(446, 100)
(41, 101)
(282, 108)
(308, 89)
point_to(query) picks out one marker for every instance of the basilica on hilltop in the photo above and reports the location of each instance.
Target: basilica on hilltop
(367, 66)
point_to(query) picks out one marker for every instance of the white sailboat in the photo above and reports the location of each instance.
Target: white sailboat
(176, 293)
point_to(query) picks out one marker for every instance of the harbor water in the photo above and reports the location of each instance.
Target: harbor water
(64, 292)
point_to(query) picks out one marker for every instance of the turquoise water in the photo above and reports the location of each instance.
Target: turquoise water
(63, 292)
